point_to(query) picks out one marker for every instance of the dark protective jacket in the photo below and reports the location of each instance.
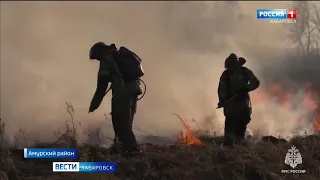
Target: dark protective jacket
(235, 84)
(110, 73)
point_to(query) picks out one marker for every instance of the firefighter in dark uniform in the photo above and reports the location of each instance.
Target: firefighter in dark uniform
(235, 84)
(124, 96)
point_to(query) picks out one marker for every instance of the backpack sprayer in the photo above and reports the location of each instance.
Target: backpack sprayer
(124, 51)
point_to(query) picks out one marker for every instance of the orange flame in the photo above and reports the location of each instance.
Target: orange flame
(308, 101)
(283, 95)
(316, 121)
(187, 135)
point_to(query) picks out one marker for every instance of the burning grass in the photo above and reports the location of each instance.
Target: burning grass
(188, 137)
(262, 160)
(283, 95)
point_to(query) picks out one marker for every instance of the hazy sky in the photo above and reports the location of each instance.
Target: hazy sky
(44, 58)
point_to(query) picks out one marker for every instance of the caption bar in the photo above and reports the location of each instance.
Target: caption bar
(50, 153)
(84, 167)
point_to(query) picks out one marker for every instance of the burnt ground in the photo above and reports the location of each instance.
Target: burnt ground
(261, 160)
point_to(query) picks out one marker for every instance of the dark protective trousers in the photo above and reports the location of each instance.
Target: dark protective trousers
(235, 128)
(123, 109)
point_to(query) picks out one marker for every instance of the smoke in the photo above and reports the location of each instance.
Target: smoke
(44, 60)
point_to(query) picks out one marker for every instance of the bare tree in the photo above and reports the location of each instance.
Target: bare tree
(306, 31)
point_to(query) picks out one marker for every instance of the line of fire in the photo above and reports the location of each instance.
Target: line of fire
(282, 96)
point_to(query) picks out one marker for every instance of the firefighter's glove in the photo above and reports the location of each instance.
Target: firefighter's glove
(94, 105)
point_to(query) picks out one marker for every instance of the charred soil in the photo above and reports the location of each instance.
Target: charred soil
(261, 160)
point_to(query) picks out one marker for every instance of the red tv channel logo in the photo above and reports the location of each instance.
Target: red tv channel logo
(291, 14)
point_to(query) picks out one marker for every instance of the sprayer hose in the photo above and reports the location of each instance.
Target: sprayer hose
(145, 89)
(144, 92)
